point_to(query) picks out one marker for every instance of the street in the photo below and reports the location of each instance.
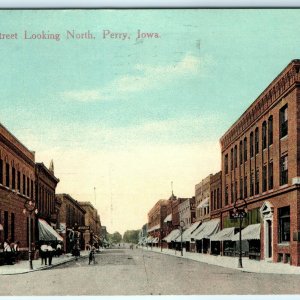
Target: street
(140, 272)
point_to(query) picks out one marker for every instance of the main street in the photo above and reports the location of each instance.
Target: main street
(140, 272)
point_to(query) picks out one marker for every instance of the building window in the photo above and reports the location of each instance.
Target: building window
(256, 141)
(270, 173)
(12, 227)
(235, 191)
(27, 187)
(7, 175)
(284, 224)
(232, 192)
(24, 185)
(226, 164)
(1, 171)
(235, 156)
(245, 187)
(13, 182)
(284, 170)
(19, 181)
(270, 130)
(226, 195)
(283, 119)
(264, 178)
(31, 190)
(251, 145)
(231, 159)
(241, 188)
(264, 135)
(5, 225)
(251, 184)
(241, 152)
(245, 149)
(256, 182)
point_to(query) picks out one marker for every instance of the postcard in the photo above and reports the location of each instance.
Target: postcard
(149, 152)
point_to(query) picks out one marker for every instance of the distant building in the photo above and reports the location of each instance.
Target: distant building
(202, 199)
(187, 212)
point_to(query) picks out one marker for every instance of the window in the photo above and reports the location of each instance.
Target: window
(24, 184)
(226, 195)
(245, 187)
(27, 187)
(12, 227)
(264, 135)
(264, 178)
(270, 130)
(19, 181)
(251, 144)
(283, 120)
(251, 184)
(235, 156)
(13, 174)
(270, 173)
(241, 152)
(256, 182)
(232, 192)
(231, 159)
(284, 224)
(1, 171)
(241, 188)
(256, 141)
(235, 191)
(245, 149)
(284, 170)
(226, 164)
(31, 190)
(7, 175)
(5, 225)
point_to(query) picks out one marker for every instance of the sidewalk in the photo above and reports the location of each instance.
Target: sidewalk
(23, 266)
(249, 265)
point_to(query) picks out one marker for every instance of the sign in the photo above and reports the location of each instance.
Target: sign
(237, 214)
(83, 227)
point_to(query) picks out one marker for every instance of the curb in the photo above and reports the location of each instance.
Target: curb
(72, 258)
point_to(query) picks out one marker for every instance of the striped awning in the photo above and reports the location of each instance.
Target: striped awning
(251, 232)
(204, 203)
(206, 230)
(168, 218)
(172, 236)
(225, 234)
(186, 236)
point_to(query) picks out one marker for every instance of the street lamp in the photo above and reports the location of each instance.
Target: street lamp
(29, 206)
(182, 224)
(240, 213)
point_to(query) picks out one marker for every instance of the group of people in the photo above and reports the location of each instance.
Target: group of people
(11, 251)
(48, 250)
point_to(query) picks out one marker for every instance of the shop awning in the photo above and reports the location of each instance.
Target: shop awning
(206, 230)
(168, 218)
(172, 236)
(251, 232)
(47, 233)
(153, 228)
(155, 240)
(203, 203)
(225, 234)
(186, 236)
(149, 239)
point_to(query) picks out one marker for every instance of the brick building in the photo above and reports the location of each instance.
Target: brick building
(17, 177)
(92, 219)
(46, 183)
(202, 198)
(261, 166)
(216, 195)
(156, 217)
(70, 216)
(187, 211)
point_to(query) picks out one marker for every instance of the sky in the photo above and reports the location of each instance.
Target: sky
(122, 119)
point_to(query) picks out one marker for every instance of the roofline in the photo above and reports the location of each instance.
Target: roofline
(41, 164)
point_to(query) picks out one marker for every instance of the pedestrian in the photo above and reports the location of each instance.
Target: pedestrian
(43, 253)
(58, 249)
(17, 250)
(50, 253)
(8, 253)
(92, 255)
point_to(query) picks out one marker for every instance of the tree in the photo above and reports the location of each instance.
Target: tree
(115, 238)
(131, 236)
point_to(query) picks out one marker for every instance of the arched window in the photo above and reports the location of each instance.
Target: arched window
(256, 141)
(264, 135)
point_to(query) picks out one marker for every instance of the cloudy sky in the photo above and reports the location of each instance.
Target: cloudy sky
(130, 116)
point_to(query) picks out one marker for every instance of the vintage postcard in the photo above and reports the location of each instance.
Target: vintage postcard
(149, 152)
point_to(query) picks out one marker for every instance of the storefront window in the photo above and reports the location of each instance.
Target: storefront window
(284, 224)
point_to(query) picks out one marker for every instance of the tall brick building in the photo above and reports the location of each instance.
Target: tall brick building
(17, 177)
(261, 166)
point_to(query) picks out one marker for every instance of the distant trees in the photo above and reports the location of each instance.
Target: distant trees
(131, 236)
(115, 238)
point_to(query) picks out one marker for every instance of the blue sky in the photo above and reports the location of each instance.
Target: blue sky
(131, 116)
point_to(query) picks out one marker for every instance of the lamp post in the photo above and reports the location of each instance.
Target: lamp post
(29, 206)
(182, 224)
(240, 213)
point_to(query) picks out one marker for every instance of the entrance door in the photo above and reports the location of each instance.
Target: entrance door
(269, 229)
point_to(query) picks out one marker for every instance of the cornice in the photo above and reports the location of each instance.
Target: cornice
(285, 82)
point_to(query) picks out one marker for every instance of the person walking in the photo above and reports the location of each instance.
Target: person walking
(92, 255)
(43, 253)
(8, 253)
(17, 250)
(50, 253)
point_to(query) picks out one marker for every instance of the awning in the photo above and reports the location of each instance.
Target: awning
(149, 239)
(155, 240)
(47, 233)
(224, 235)
(172, 236)
(153, 228)
(168, 218)
(203, 203)
(186, 236)
(207, 229)
(251, 232)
